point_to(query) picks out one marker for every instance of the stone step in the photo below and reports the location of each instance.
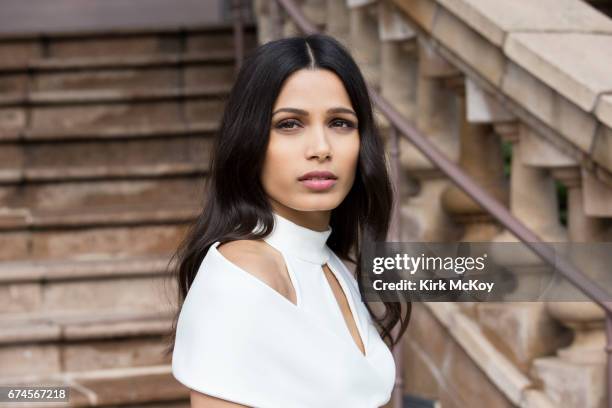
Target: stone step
(180, 184)
(77, 234)
(111, 131)
(90, 111)
(112, 96)
(74, 160)
(53, 344)
(139, 72)
(68, 270)
(146, 386)
(88, 119)
(103, 285)
(103, 62)
(100, 216)
(10, 176)
(79, 325)
(17, 50)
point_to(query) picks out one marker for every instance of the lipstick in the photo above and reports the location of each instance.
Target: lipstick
(318, 180)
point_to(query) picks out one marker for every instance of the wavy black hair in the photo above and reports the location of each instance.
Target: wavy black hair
(235, 199)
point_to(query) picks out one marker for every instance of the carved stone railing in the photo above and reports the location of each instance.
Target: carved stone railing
(473, 74)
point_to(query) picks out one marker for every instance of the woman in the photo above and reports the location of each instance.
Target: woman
(270, 316)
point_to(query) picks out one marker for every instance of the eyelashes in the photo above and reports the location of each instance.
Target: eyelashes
(291, 124)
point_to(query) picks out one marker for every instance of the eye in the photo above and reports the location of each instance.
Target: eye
(287, 124)
(343, 123)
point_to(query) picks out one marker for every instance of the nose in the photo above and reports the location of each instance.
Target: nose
(318, 143)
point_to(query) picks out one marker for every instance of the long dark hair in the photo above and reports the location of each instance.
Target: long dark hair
(235, 199)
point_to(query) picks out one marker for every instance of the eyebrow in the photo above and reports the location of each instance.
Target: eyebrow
(304, 113)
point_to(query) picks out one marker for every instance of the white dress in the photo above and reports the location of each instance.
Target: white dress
(240, 340)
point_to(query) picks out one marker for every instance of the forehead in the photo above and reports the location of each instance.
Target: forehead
(313, 89)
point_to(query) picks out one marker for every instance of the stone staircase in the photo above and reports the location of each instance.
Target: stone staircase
(104, 143)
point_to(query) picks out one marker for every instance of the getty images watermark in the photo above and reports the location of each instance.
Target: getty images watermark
(478, 271)
(411, 264)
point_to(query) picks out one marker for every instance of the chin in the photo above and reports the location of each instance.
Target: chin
(319, 204)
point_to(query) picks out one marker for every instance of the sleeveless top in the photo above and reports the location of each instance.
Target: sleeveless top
(240, 340)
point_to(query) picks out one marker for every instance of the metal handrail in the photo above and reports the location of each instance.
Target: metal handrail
(455, 173)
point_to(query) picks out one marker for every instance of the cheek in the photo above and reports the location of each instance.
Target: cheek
(349, 154)
(277, 165)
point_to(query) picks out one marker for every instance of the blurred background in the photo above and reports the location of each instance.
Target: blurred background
(69, 15)
(107, 113)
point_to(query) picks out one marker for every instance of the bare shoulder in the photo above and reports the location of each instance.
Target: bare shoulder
(250, 255)
(258, 259)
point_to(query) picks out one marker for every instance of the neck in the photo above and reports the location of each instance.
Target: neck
(317, 220)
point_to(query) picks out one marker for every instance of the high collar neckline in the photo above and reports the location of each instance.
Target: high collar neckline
(303, 243)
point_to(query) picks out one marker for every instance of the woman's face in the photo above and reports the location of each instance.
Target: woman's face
(314, 128)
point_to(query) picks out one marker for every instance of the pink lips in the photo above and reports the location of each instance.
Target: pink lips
(318, 180)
